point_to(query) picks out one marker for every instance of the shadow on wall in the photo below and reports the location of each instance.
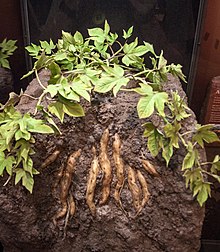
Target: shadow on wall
(167, 24)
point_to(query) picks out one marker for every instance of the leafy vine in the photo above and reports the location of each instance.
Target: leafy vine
(102, 63)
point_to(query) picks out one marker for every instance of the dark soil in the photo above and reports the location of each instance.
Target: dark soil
(171, 221)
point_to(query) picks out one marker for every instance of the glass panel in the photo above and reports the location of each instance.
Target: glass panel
(167, 24)
(209, 56)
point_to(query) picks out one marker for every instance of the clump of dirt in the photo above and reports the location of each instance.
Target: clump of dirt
(170, 221)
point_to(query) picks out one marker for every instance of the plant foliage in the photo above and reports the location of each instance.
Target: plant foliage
(102, 63)
(7, 47)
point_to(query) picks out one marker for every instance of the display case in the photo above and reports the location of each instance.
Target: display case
(169, 25)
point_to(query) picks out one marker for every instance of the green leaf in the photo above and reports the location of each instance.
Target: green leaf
(56, 108)
(28, 165)
(47, 47)
(67, 37)
(78, 38)
(128, 34)
(43, 129)
(190, 158)
(6, 163)
(171, 131)
(162, 61)
(33, 50)
(147, 104)
(106, 27)
(203, 191)
(112, 78)
(73, 109)
(81, 89)
(2, 159)
(21, 134)
(52, 89)
(59, 56)
(154, 142)
(97, 34)
(215, 164)
(167, 152)
(205, 134)
(144, 89)
(28, 181)
(19, 173)
(192, 176)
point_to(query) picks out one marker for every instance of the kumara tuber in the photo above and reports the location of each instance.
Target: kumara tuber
(135, 192)
(149, 168)
(91, 183)
(145, 192)
(50, 159)
(105, 166)
(119, 165)
(66, 181)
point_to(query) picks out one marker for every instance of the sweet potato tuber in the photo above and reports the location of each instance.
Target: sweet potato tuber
(135, 192)
(149, 168)
(145, 192)
(50, 159)
(72, 205)
(66, 182)
(119, 165)
(105, 166)
(91, 183)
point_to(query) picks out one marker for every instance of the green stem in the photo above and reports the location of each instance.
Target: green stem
(38, 79)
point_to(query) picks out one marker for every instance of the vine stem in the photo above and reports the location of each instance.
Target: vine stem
(6, 182)
(38, 79)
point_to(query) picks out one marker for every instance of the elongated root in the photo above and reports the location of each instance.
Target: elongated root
(72, 205)
(105, 166)
(149, 168)
(91, 183)
(66, 182)
(119, 165)
(135, 192)
(145, 192)
(50, 159)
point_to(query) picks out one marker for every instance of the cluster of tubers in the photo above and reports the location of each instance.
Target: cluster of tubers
(136, 181)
